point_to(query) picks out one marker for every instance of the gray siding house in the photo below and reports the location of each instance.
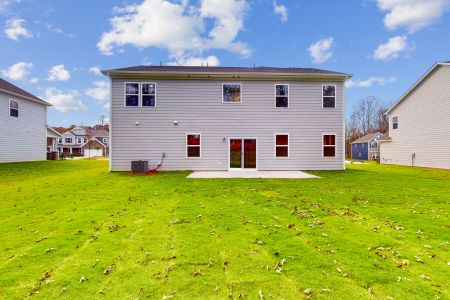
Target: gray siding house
(419, 129)
(227, 118)
(23, 125)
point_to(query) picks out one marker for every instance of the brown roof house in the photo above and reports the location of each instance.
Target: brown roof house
(84, 141)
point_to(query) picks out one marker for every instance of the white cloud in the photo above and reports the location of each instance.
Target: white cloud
(15, 29)
(392, 49)
(412, 14)
(63, 101)
(100, 91)
(95, 70)
(211, 61)
(320, 51)
(177, 27)
(57, 30)
(18, 71)
(5, 4)
(370, 82)
(34, 80)
(58, 73)
(280, 10)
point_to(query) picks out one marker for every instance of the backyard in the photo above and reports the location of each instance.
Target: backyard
(71, 229)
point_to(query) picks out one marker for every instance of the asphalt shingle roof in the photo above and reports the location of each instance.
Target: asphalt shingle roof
(11, 88)
(367, 138)
(201, 69)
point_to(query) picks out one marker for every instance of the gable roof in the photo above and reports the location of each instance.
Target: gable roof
(367, 138)
(99, 132)
(215, 71)
(418, 83)
(11, 89)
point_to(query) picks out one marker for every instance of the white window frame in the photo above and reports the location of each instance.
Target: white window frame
(141, 95)
(241, 92)
(104, 140)
(60, 140)
(125, 93)
(335, 145)
(18, 108)
(394, 122)
(275, 94)
(65, 140)
(288, 145)
(79, 140)
(335, 96)
(187, 146)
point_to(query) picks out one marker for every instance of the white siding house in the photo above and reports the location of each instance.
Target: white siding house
(23, 125)
(419, 123)
(227, 118)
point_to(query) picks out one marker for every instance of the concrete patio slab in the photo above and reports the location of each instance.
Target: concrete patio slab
(251, 174)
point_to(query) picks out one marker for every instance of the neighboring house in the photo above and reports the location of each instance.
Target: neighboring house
(23, 125)
(227, 118)
(367, 147)
(419, 123)
(52, 139)
(84, 141)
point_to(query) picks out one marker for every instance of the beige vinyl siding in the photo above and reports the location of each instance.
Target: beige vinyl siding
(198, 108)
(22, 138)
(423, 125)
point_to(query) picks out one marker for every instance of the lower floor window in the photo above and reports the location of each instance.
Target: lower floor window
(282, 145)
(193, 144)
(329, 145)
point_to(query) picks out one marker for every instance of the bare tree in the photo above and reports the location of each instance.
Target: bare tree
(365, 114)
(383, 121)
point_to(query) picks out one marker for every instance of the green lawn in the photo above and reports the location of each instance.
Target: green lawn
(70, 229)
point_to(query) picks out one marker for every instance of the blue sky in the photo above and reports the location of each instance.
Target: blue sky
(55, 48)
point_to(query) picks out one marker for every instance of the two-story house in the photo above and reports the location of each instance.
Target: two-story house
(419, 123)
(23, 125)
(84, 141)
(367, 147)
(227, 118)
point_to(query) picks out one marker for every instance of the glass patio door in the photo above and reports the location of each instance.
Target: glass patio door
(243, 154)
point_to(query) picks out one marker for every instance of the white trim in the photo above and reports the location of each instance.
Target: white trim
(275, 95)
(242, 156)
(275, 145)
(200, 146)
(18, 108)
(418, 82)
(335, 95)
(125, 93)
(240, 92)
(141, 95)
(335, 145)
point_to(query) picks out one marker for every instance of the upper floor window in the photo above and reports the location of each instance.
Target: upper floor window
(85, 140)
(282, 145)
(104, 140)
(231, 93)
(193, 145)
(68, 140)
(329, 145)
(394, 122)
(13, 108)
(329, 96)
(79, 140)
(148, 94)
(281, 95)
(132, 94)
(60, 141)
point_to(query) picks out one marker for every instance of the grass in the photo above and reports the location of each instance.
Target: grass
(70, 229)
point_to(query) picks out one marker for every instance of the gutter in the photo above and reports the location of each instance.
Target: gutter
(26, 98)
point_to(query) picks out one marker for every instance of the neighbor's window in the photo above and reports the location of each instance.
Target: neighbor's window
(13, 108)
(104, 140)
(60, 141)
(131, 94)
(79, 140)
(329, 96)
(148, 94)
(231, 93)
(282, 145)
(68, 140)
(85, 140)
(281, 95)
(394, 122)
(329, 145)
(193, 144)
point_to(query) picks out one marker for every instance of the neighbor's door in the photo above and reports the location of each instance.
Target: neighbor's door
(243, 154)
